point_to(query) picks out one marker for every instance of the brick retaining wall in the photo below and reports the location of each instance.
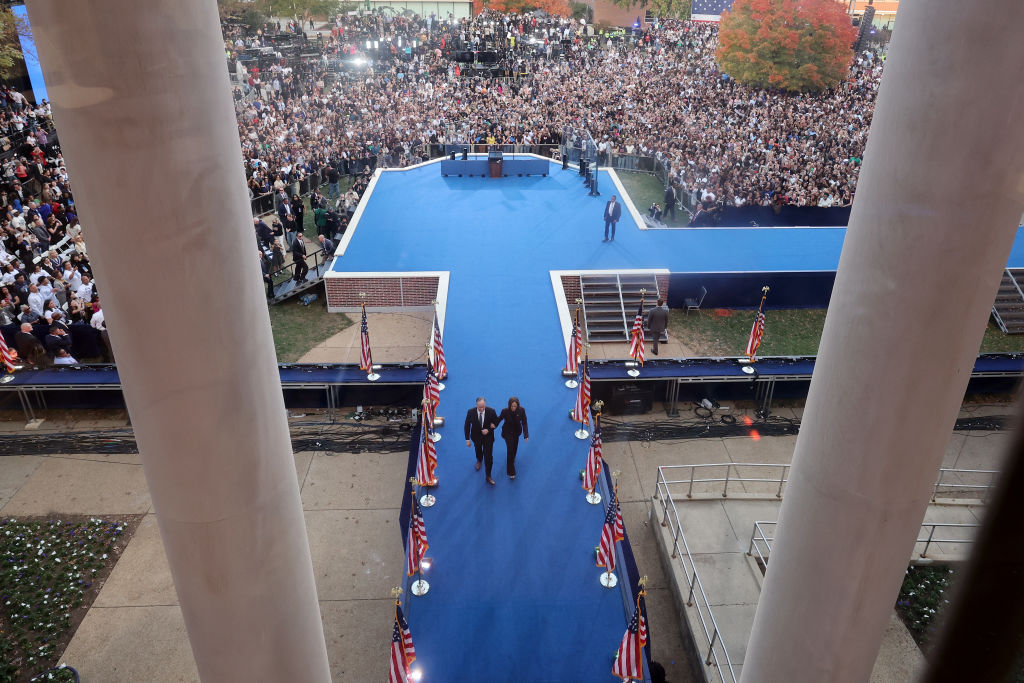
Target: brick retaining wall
(382, 291)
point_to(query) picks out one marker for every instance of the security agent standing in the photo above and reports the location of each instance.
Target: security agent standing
(670, 202)
(612, 214)
(657, 322)
(479, 428)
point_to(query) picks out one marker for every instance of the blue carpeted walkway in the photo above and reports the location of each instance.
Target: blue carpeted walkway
(514, 591)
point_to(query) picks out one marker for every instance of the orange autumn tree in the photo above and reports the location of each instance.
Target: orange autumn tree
(557, 7)
(794, 45)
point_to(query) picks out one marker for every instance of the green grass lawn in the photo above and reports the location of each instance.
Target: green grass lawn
(298, 328)
(645, 189)
(788, 332)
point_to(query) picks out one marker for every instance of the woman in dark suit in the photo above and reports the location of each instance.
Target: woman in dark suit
(514, 419)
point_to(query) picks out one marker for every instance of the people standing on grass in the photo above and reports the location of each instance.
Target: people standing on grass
(514, 419)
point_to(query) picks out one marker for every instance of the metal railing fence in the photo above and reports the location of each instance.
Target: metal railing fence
(713, 650)
(770, 479)
(761, 537)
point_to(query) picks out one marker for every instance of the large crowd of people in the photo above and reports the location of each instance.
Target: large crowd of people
(390, 90)
(400, 95)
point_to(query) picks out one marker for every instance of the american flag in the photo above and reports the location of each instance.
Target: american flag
(5, 353)
(594, 459)
(440, 367)
(709, 10)
(573, 361)
(636, 342)
(756, 335)
(403, 652)
(581, 412)
(629, 661)
(365, 357)
(611, 533)
(431, 390)
(426, 462)
(415, 540)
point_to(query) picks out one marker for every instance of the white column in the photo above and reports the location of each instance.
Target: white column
(143, 108)
(936, 212)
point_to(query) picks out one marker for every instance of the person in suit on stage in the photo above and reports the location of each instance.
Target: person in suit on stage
(299, 258)
(514, 419)
(612, 214)
(479, 428)
(657, 322)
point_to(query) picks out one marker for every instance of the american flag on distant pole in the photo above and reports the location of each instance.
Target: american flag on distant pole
(365, 356)
(581, 412)
(403, 652)
(575, 348)
(611, 533)
(636, 342)
(629, 662)
(757, 331)
(426, 461)
(6, 355)
(415, 539)
(594, 458)
(440, 367)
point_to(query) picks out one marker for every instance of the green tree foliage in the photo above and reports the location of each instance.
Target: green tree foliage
(794, 45)
(663, 9)
(12, 28)
(298, 9)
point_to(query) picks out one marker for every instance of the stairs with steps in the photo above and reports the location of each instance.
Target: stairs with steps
(610, 303)
(1008, 309)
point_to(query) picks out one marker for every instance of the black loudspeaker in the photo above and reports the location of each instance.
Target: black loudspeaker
(865, 27)
(465, 153)
(452, 157)
(583, 167)
(630, 399)
(565, 160)
(464, 56)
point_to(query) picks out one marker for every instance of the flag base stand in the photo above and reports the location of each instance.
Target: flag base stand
(6, 378)
(427, 500)
(594, 498)
(419, 587)
(609, 580)
(435, 437)
(581, 433)
(633, 372)
(572, 384)
(372, 377)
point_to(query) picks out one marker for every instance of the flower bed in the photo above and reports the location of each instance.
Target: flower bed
(50, 572)
(922, 598)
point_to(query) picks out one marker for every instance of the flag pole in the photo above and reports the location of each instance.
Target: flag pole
(593, 497)
(435, 331)
(608, 579)
(434, 435)
(635, 345)
(371, 374)
(574, 348)
(427, 500)
(752, 355)
(582, 433)
(419, 586)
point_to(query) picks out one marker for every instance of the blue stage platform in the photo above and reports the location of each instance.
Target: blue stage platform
(514, 590)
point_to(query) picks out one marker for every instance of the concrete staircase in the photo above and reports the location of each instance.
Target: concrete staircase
(610, 302)
(1008, 309)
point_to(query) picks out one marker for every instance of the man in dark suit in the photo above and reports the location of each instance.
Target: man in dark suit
(299, 258)
(479, 428)
(657, 322)
(612, 214)
(670, 202)
(57, 339)
(30, 349)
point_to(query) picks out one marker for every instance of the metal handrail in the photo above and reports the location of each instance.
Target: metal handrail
(759, 539)
(778, 475)
(717, 652)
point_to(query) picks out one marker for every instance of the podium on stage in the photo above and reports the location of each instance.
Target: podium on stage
(494, 162)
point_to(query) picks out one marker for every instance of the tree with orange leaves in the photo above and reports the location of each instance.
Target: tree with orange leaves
(557, 7)
(795, 45)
